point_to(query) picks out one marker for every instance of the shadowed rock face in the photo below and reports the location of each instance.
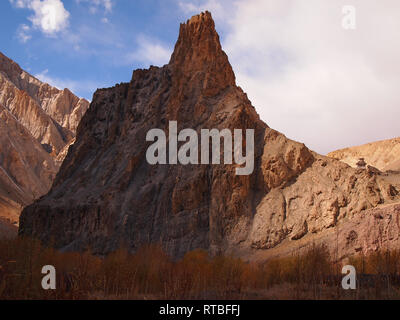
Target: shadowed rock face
(107, 195)
(36, 122)
(7, 230)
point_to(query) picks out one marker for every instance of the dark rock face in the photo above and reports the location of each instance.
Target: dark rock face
(107, 195)
(7, 229)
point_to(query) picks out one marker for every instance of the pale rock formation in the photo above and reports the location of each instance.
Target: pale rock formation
(37, 121)
(50, 115)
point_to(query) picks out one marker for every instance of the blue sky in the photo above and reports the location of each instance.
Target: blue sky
(307, 76)
(96, 45)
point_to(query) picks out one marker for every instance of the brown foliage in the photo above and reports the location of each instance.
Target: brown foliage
(151, 274)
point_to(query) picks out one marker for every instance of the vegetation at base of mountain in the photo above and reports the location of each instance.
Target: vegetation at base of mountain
(151, 274)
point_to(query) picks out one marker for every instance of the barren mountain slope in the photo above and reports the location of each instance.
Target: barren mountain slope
(50, 115)
(384, 155)
(26, 169)
(106, 194)
(37, 121)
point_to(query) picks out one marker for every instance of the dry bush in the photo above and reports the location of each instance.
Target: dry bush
(151, 274)
(379, 274)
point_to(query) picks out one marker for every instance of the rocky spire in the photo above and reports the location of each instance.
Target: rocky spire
(198, 50)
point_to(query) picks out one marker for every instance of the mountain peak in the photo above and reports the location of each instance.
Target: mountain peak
(203, 17)
(198, 49)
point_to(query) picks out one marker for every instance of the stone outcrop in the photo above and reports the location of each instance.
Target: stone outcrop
(364, 233)
(37, 121)
(106, 194)
(374, 229)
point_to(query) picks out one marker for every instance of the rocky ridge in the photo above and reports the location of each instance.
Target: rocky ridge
(384, 155)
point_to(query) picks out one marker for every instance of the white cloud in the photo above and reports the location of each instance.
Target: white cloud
(20, 3)
(23, 33)
(49, 16)
(94, 5)
(307, 76)
(149, 51)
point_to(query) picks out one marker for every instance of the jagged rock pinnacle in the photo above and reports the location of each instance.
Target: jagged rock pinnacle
(198, 49)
